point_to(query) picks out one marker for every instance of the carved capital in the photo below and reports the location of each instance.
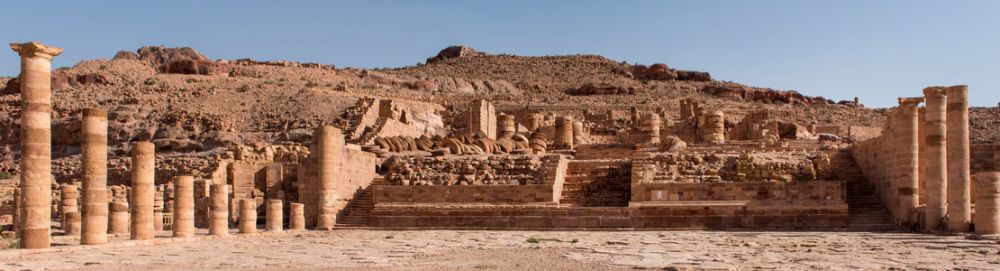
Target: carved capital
(31, 49)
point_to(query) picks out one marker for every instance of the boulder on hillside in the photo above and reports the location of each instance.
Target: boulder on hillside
(693, 76)
(182, 60)
(600, 89)
(454, 52)
(658, 71)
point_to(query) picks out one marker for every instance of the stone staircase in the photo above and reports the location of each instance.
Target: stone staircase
(359, 208)
(867, 212)
(370, 133)
(351, 119)
(597, 183)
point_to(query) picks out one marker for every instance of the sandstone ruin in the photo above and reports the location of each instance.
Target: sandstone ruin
(437, 163)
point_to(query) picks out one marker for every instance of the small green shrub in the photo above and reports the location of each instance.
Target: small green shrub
(532, 240)
(150, 81)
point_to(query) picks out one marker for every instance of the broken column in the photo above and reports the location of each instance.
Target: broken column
(71, 224)
(296, 217)
(218, 223)
(248, 216)
(935, 157)
(578, 134)
(564, 133)
(68, 202)
(715, 128)
(650, 126)
(507, 127)
(482, 119)
(118, 218)
(275, 216)
(908, 158)
(142, 195)
(329, 147)
(158, 209)
(94, 159)
(36, 143)
(183, 224)
(959, 196)
(988, 203)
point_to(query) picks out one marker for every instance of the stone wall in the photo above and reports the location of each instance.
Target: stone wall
(700, 167)
(523, 179)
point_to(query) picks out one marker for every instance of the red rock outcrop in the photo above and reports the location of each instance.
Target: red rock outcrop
(453, 52)
(600, 89)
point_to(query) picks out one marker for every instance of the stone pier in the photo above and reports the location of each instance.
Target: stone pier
(158, 209)
(482, 118)
(218, 223)
(330, 146)
(296, 217)
(94, 132)
(959, 196)
(248, 216)
(183, 225)
(564, 133)
(907, 159)
(988, 203)
(118, 218)
(578, 133)
(275, 216)
(143, 190)
(935, 158)
(36, 143)
(715, 128)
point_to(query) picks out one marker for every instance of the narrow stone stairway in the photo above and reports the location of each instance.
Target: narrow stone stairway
(359, 208)
(597, 183)
(866, 209)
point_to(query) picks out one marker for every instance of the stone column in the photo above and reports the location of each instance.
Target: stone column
(959, 196)
(68, 203)
(142, 197)
(507, 127)
(218, 223)
(908, 159)
(715, 128)
(329, 162)
(578, 134)
(935, 157)
(158, 209)
(94, 131)
(564, 133)
(650, 125)
(71, 224)
(296, 217)
(36, 143)
(988, 203)
(248, 216)
(118, 220)
(996, 158)
(183, 206)
(275, 216)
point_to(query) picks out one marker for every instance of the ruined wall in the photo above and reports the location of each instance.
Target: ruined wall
(526, 179)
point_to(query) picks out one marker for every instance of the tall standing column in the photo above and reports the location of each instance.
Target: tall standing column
(988, 203)
(248, 216)
(296, 217)
(330, 146)
(935, 157)
(36, 143)
(183, 206)
(94, 213)
(218, 223)
(959, 196)
(909, 161)
(275, 216)
(143, 190)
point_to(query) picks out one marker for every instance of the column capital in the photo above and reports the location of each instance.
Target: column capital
(910, 102)
(30, 49)
(934, 91)
(958, 91)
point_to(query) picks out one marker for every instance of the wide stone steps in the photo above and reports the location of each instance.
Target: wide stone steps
(359, 209)
(597, 183)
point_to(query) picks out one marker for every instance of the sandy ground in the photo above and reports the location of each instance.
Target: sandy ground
(512, 250)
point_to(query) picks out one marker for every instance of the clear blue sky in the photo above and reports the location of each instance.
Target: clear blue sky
(878, 50)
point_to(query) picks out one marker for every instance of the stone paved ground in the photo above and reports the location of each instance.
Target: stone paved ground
(511, 250)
